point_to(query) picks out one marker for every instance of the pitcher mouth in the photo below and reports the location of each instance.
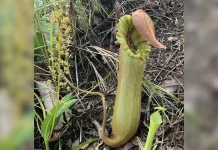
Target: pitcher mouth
(131, 40)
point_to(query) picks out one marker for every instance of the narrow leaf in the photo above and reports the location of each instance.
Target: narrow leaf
(46, 126)
(39, 45)
(78, 147)
(55, 113)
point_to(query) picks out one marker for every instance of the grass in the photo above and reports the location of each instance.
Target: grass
(82, 55)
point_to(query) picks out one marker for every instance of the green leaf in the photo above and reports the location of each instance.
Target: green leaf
(68, 97)
(63, 106)
(39, 45)
(55, 113)
(46, 126)
(78, 147)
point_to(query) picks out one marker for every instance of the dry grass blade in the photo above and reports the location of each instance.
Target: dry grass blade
(102, 86)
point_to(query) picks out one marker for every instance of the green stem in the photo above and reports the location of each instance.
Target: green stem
(46, 145)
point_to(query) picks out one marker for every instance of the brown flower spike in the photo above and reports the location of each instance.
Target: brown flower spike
(145, 26)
